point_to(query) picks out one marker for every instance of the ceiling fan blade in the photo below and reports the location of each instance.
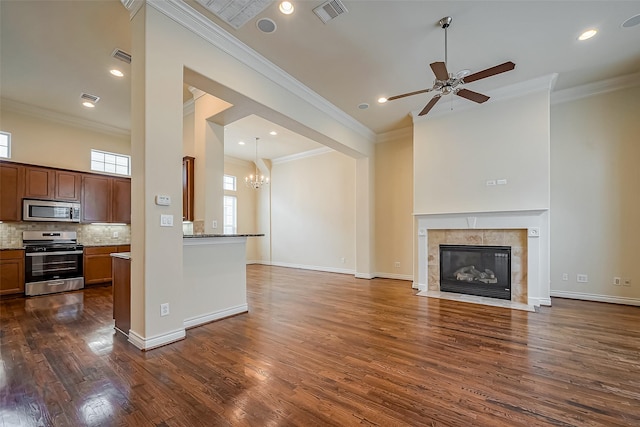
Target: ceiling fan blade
(430, 105)
(417, 92)
(502, 68)
(440, 71)
(472, 96)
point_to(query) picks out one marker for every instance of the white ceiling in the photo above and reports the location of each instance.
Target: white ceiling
(51, 51)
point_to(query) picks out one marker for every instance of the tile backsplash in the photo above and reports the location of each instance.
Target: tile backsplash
(88, 234)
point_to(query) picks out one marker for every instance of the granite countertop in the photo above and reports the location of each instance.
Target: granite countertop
(122, 255)
(196, 236)
(100, 245)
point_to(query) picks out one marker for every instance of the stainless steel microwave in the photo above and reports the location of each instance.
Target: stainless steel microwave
(50, 210)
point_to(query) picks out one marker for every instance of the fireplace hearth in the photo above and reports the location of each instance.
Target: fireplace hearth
(476, 270)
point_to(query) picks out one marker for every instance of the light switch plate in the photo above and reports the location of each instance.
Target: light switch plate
(166, 220)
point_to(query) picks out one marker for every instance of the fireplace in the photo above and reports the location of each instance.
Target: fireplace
(476, 270)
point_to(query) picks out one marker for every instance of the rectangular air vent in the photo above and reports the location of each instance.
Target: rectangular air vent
(88, 97)
(330, 10)
(122, 55)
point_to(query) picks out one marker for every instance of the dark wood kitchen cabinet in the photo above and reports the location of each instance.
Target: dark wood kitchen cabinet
(68, 185)
(188, 164)
(121, 201)
(54, 184)
(97, 263)
(106, 199)
(11, 190)
(12, 272)
(39, 183)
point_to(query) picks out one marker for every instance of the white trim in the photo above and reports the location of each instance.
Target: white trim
(213, 240)
(408, 277)
(544, 83)
(304, 154)
(539, 301)
(596, 297)
(192, 322)
(156, 341)
(595, 88)
(188, 107)
(312, 267)
(395, 135)
(367, 276)
(133, 6)
(66, 119)
(183, 14)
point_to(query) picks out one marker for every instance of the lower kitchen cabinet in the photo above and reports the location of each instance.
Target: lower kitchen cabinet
(97, 263)
(12, 272)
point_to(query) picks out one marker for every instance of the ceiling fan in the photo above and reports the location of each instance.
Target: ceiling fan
(446, 83)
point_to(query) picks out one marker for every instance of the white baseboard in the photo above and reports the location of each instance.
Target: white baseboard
(156, 341)
(312, 267)
(364, 276)
(537, 302)
(419, 286)
(396, 276)
(596, 297)
(192, 322)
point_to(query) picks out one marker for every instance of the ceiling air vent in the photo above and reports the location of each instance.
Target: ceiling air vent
(88, 97)
(329, 10)
(122, 55)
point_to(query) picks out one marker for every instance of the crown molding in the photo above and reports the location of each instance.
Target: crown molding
(189, 107)
(544, 83)
(394, 135)
(183, 14)
(66, 119)
(133, 6)
(303, 155)
(596, 88)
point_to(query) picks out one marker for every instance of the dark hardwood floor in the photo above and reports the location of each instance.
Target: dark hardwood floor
(320, 349)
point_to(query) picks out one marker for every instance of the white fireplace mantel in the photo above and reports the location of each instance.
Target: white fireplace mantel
(538, 253)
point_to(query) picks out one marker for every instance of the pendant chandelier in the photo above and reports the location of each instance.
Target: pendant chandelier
(256, 181)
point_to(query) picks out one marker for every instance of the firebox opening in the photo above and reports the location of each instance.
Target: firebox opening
(476, 270)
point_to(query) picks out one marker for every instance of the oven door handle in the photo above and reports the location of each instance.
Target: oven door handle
(54, 253)
(57, 283)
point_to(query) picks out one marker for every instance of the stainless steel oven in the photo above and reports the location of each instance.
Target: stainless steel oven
(53, 262)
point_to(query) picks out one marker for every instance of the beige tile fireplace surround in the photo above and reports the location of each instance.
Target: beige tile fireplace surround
(515, 238)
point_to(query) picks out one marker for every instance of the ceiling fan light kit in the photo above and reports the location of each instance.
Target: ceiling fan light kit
(447, 83)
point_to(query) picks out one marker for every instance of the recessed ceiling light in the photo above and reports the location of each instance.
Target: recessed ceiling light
(116, 72)
(286, 7)
(587, 34)
(241, 143)
(88, 104)
(363, 106)
(273, 133)
(382, 100)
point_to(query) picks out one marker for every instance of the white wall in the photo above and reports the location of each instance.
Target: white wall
(313, 213)
(246, 203)
(455, 154)
(595, 196)
(40, 141)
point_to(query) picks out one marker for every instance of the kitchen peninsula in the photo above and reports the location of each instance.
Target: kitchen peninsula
(214, 272)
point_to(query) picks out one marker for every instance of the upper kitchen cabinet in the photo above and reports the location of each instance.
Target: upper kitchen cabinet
(47, 183)
(68, 185)
(11, 189)
(187, 188)
(121, 205)
(40, 183)
(106, 199)
(96, 198)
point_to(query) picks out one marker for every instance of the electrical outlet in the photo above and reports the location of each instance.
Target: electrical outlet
(565, 276)
(115, 234)
(343, 260)
(396, 264)
(582, 278)
(490, 182)
(617, 281)
(214, 224)
(164, 309)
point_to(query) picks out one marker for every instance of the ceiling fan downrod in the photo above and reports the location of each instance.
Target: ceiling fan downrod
(444, 23)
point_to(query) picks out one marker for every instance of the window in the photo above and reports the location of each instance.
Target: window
(229, 183)
(230, 217)
(5, 145)
(103, 161)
